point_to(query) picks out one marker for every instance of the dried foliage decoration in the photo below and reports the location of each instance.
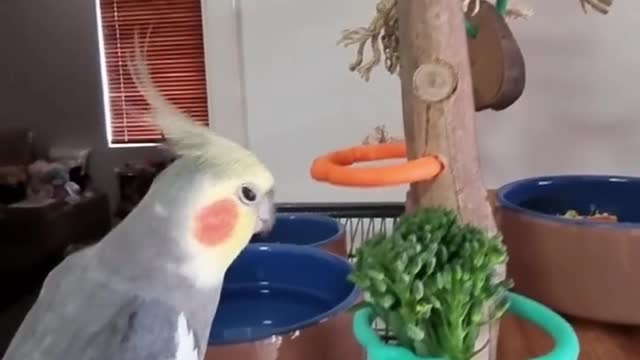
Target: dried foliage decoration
(382, 32)
(386, 22)
(380, 135)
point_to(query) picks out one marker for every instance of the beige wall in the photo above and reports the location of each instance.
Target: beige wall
(50, 79)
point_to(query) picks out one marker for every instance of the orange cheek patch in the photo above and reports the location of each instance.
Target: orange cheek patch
(215, 223)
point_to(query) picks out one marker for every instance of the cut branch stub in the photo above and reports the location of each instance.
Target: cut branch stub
(435, 81)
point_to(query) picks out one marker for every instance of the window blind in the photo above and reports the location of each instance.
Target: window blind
(175, 55)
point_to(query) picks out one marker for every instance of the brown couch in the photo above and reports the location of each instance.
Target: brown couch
(16, 152)
(34, 239)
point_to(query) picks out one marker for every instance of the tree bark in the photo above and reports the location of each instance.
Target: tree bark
(438, 114)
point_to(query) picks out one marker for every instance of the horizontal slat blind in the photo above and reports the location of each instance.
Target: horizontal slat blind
(175, 55)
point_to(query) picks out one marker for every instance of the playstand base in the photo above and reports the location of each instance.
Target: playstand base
(566, 341)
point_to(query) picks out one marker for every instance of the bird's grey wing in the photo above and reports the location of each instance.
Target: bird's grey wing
(78, 319)
(155, 331)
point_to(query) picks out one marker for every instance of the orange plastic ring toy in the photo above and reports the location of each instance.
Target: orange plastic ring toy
(335, 167)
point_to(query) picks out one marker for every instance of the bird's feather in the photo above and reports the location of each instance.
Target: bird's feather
(187, 138)
(80, 316)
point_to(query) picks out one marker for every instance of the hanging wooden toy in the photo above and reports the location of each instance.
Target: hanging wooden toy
(497, 64)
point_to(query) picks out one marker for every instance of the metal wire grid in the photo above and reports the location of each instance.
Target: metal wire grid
(361, 221)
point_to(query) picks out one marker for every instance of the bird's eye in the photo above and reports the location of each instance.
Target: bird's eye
(247, 195)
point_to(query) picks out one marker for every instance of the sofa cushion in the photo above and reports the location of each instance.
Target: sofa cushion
(12, 184)
(12, 175)
(15, 147)
(12, 194)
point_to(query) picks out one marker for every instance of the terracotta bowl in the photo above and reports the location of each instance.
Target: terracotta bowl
(285, 302)
(307, 229)
(584, 268)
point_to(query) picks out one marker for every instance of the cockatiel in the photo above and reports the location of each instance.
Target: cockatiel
(150, 289)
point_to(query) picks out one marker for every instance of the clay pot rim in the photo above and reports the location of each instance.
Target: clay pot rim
(323, 219)
(311, 251)
(504, 203)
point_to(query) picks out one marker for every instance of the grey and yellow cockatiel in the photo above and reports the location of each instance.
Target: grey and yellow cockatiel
(149, 290)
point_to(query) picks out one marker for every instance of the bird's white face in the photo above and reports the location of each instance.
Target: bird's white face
(221, 219)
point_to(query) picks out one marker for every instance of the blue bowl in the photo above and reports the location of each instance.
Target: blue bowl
(276, 289)
(306, 229)
(581, 267)
(548, 197)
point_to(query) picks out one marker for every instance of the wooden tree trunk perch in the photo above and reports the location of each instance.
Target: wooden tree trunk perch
(438, 114)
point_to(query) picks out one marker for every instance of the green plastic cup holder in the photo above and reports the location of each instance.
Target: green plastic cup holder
(566, 347)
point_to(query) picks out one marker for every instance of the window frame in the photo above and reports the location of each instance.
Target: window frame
(226, 96)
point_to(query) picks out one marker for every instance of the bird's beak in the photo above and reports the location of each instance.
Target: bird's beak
(266, 214)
